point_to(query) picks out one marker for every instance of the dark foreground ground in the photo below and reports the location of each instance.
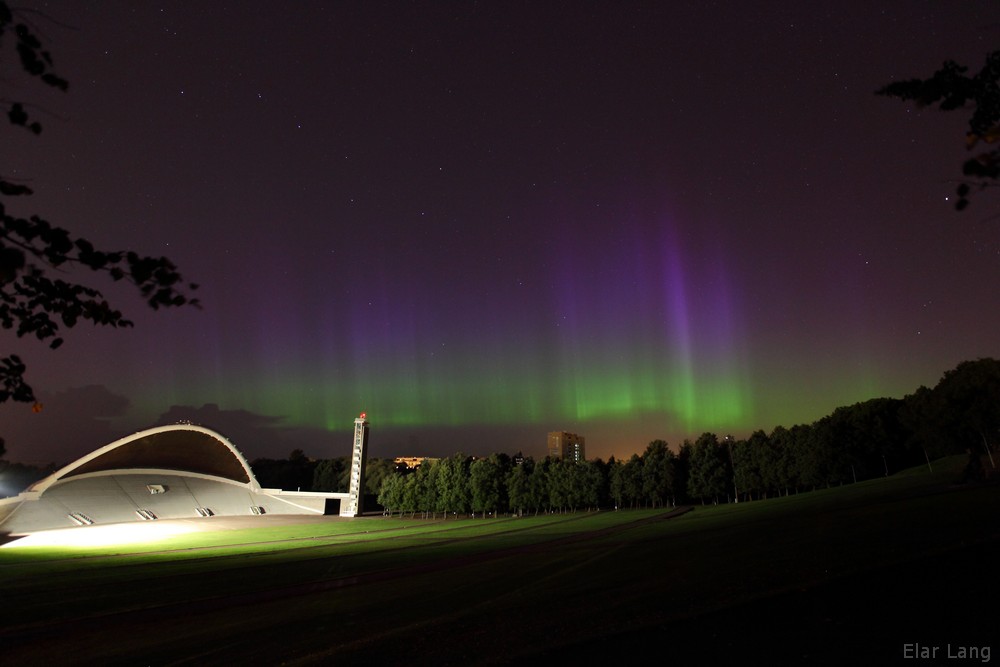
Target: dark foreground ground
(917, 567)
(949, 601)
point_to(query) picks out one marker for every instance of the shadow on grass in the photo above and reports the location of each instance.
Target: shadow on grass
(947, 600)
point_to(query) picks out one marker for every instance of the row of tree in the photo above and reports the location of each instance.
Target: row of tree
(862, 441)
(874, 438)
(495, 484)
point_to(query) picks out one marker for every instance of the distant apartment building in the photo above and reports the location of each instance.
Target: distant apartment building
(567, 446)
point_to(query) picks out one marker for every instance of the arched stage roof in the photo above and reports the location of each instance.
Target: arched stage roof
(181, 471)
(182, 447)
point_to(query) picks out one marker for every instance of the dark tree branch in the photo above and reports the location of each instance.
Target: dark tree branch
(31, 302)
(952, 89)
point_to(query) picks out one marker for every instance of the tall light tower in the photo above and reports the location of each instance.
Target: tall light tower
(359, 456)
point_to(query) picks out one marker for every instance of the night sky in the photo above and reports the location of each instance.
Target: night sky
(482, 221)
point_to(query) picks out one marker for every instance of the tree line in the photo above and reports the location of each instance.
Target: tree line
(875, 438)
(961, 414)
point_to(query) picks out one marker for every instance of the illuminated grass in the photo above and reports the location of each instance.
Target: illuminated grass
(63, 582)
(376, 589)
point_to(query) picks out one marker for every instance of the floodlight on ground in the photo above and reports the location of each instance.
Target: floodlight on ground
(102, 536)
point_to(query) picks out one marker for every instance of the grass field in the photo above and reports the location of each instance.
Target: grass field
(837, 576)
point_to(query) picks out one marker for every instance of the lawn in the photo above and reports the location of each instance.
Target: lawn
(835, 575)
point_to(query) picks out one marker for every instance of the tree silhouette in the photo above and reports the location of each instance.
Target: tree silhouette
(950, 87)
(33, 302)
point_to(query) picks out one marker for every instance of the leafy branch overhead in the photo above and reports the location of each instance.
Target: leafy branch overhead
(952, 89)
(32, 301)
(35, 61)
